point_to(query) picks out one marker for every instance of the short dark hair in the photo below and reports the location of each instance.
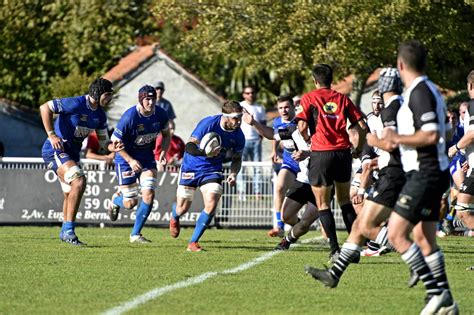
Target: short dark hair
(470, 77)
(249, 87)
(285, 98)
(231, 107)
(413, 54)
(322, 73)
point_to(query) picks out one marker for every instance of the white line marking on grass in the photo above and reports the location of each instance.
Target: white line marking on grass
(153, 294)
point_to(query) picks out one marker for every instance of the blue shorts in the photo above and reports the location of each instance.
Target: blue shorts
(192, 179)
(456, 163)
(289, 163)
(127, 176)
(54, 158)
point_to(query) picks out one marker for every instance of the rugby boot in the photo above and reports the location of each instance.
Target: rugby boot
(323, 276)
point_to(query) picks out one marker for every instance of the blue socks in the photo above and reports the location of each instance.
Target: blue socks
(143, 211)
(68, 228)
(173, 212)
(280, 223)
(119, 201)
(201, 225)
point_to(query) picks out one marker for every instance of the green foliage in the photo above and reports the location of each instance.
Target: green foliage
(274, 44)
(44, 41)
(37, 269)
(75, 83)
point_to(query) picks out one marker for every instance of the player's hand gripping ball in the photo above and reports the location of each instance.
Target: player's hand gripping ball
(211, 144)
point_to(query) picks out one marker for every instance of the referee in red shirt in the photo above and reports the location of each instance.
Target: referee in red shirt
(325, 113)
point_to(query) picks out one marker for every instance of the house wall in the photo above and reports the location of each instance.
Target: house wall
(191, 102)
(21, 139)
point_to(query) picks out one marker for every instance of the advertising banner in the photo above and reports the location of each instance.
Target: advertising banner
(35, 196)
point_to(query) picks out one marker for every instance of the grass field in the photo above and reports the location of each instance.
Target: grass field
(41, 275)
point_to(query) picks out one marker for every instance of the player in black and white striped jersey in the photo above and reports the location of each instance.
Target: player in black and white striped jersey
(421, 138)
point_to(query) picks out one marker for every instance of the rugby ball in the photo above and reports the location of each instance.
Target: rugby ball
(209, 142)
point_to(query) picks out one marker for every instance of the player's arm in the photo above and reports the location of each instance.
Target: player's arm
(47, 118)
(275, 144)
(192, 147)
(375, 141)
(425, 120)
(235, 165)
(165, 144)
(262, 129)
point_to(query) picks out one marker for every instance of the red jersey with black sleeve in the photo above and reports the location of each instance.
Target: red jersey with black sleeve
(326, 112)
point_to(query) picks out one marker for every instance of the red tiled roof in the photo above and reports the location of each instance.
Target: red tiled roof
(130, 62)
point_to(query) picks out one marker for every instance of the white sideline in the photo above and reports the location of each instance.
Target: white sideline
(153, 294)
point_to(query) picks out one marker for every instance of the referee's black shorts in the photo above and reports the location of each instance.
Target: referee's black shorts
(420, 198)
(327, 167)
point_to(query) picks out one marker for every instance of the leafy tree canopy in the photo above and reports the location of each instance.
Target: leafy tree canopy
(44, 41)
(273, 44)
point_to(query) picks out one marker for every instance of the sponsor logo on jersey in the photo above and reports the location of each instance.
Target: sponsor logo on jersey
(63, 155)
(140, 127)
(128, 174)
(428, 116)
(145, 139)
(83, 117)
(330, 108)
(82, 132)
(187, 175)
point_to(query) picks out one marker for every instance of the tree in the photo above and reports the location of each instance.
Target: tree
(45, 41)
(272, 43)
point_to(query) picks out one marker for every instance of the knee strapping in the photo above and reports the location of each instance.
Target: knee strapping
(73, 173)
(148, 183)
(185, 192)
(130, 193)
(215, 188)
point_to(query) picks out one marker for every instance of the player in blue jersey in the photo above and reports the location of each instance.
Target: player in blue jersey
(205, 171)
(137, 131)
(282, 125)
(77, 117)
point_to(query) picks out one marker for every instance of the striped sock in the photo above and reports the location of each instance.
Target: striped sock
(415, 259)
(291, 237)
(436, 263)
(349, 252)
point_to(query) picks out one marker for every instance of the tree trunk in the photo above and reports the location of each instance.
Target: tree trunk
(358, 85)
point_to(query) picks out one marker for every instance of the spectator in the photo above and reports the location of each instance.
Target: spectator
(253, 141)
(164, 103)
(175, 151)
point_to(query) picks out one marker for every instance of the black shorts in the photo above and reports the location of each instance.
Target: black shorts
(327, 167)
(467, 186)
(420, 198)
(301, 192)
(389, 185)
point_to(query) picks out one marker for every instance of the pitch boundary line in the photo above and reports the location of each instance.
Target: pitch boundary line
(157, 292)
